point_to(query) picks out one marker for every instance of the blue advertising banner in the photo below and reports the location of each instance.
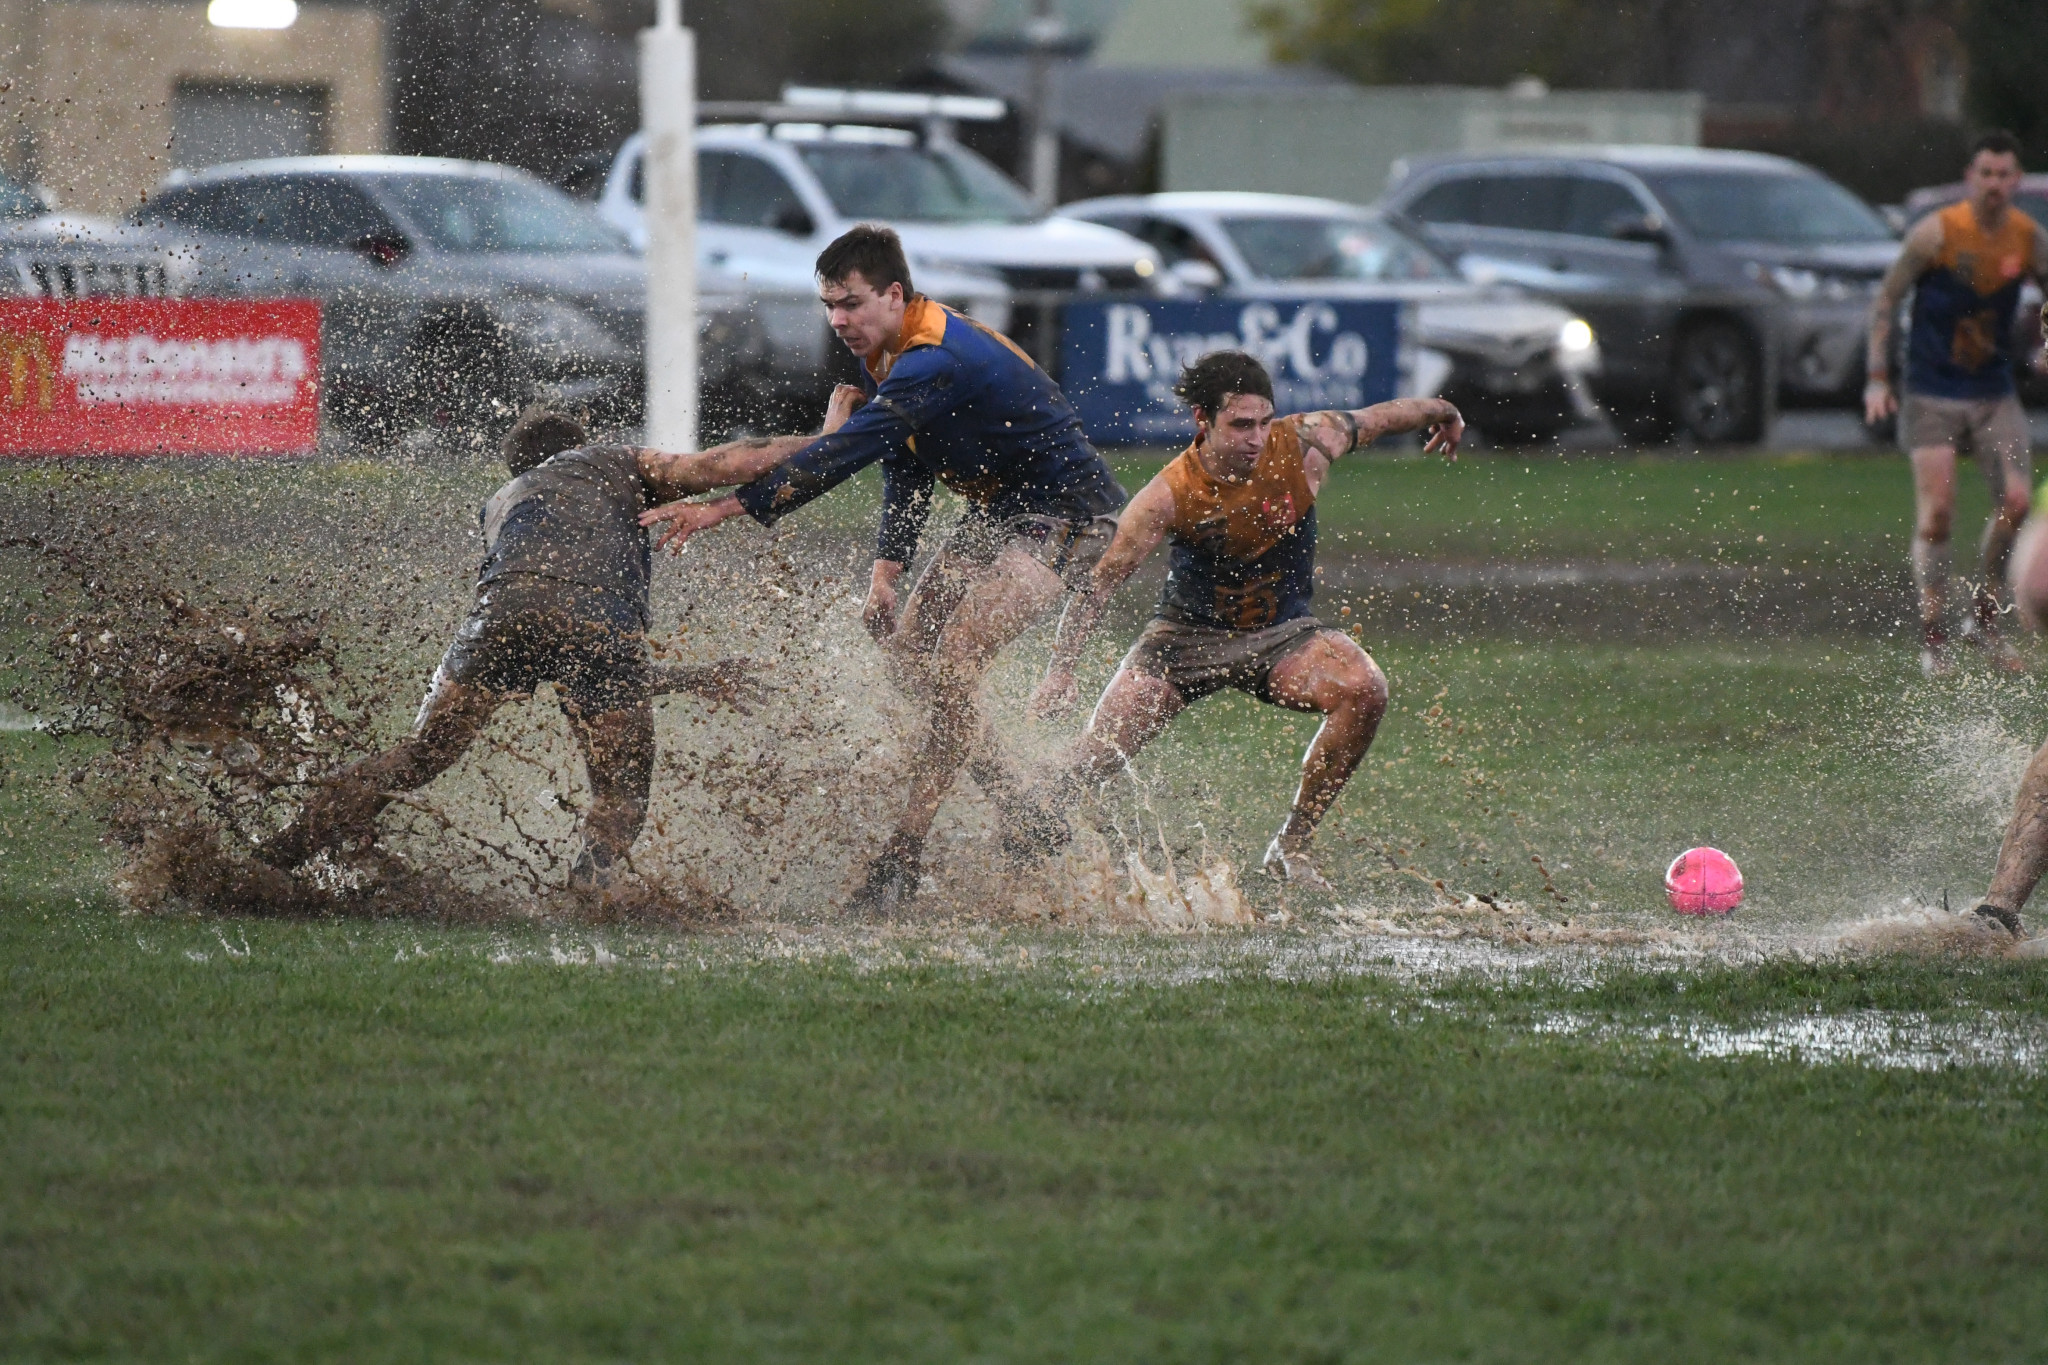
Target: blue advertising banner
(1119, 360)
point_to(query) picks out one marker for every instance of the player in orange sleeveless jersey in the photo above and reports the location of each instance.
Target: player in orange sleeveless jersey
(1239, 508)
(1964, 266)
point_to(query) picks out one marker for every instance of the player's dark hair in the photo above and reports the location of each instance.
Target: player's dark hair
(1205, 384)
(872, 249)
(541, 431)
(1998, 142)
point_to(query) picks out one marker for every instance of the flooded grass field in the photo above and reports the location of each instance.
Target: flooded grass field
(1495, 1102)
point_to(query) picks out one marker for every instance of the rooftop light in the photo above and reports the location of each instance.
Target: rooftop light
(252, 13)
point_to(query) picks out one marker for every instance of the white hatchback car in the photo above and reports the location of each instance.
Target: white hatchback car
(1515, 366)
(771, 197)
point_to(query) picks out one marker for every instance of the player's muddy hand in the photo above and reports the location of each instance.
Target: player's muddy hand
(732, 682)
(1055, 695)
(1444, 436)
(1879, 402)
(878, 614)
(846, 398)
(685, 519)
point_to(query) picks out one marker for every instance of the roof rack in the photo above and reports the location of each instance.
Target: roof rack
(818, 104)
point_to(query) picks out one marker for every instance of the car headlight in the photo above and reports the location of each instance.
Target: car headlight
(560, 330)
(1575, 337)
(1795, 283)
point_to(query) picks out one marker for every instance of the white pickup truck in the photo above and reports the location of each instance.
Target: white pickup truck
(772, 195)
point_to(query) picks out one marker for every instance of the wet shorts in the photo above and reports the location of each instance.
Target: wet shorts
(1199, 660)
(1992, 429)
(591, 646)
(1069, 548)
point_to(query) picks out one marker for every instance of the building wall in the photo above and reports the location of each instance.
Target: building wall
(1341, 143)
(101, 86)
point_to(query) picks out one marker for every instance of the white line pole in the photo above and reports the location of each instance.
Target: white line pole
(668, 115)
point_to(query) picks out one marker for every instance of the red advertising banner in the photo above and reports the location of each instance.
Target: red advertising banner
(159, 376)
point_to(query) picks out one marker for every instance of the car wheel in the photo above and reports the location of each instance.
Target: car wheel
(1718, 389)
(466, 382)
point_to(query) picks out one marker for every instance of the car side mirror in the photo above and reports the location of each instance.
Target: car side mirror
(794, 220)
(382, 248)
(1647, 228)
(1200, 276)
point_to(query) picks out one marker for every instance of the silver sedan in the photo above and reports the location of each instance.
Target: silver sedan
(1517, 367)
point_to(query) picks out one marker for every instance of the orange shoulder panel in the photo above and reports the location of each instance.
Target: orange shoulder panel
(1193, 497)
(1988, 262)
(924, 324)
(1243, 513)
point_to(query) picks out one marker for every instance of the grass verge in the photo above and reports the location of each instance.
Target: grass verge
(315, 1141)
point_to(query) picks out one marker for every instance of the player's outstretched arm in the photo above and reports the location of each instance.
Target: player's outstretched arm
(1916, 254)
(736, 462)
(1335, 434)
(1143, 525)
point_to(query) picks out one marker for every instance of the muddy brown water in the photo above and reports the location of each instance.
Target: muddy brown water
(239, 638)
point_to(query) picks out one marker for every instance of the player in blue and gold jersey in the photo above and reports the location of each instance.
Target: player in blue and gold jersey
(1965, 266)
(1238, 508)
(951, 402)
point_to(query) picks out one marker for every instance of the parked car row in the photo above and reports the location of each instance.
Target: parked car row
(1679, 289)
(1516, 366)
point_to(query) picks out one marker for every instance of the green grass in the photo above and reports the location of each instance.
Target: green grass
(316, 1152)
(1844, 510)
(386, 1140)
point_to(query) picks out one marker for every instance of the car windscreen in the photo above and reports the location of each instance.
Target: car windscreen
(1762, 206)
(16, 202)
(914, 184)
(1297, 248)
(479, 214)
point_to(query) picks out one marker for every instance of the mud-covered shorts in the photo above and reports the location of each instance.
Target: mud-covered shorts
(591, 645)
(1070, 549)
(1994, 430)
(1199, 659)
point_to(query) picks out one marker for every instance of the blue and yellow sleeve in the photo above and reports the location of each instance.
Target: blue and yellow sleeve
(920, 387)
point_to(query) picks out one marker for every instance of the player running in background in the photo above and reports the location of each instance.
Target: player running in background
(1239, 509)
(952, 403)
(1965, 266)
(562, 598)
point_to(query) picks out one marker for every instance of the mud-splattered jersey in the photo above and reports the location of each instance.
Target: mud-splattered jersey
(573, 519)
(950, 402)
(1243, 554)
(1960, 341)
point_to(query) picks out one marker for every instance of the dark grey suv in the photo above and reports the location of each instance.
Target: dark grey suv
(1714, 279)
(452, 290)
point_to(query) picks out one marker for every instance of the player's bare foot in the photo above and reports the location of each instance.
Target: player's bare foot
(892, 879)
(2008, 920)
(1297, 868)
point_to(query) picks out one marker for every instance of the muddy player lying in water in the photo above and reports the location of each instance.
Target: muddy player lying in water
(561, 598)
(950, 402)
(1239, 509)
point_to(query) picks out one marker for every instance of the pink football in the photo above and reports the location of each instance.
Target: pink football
(1703, 881)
